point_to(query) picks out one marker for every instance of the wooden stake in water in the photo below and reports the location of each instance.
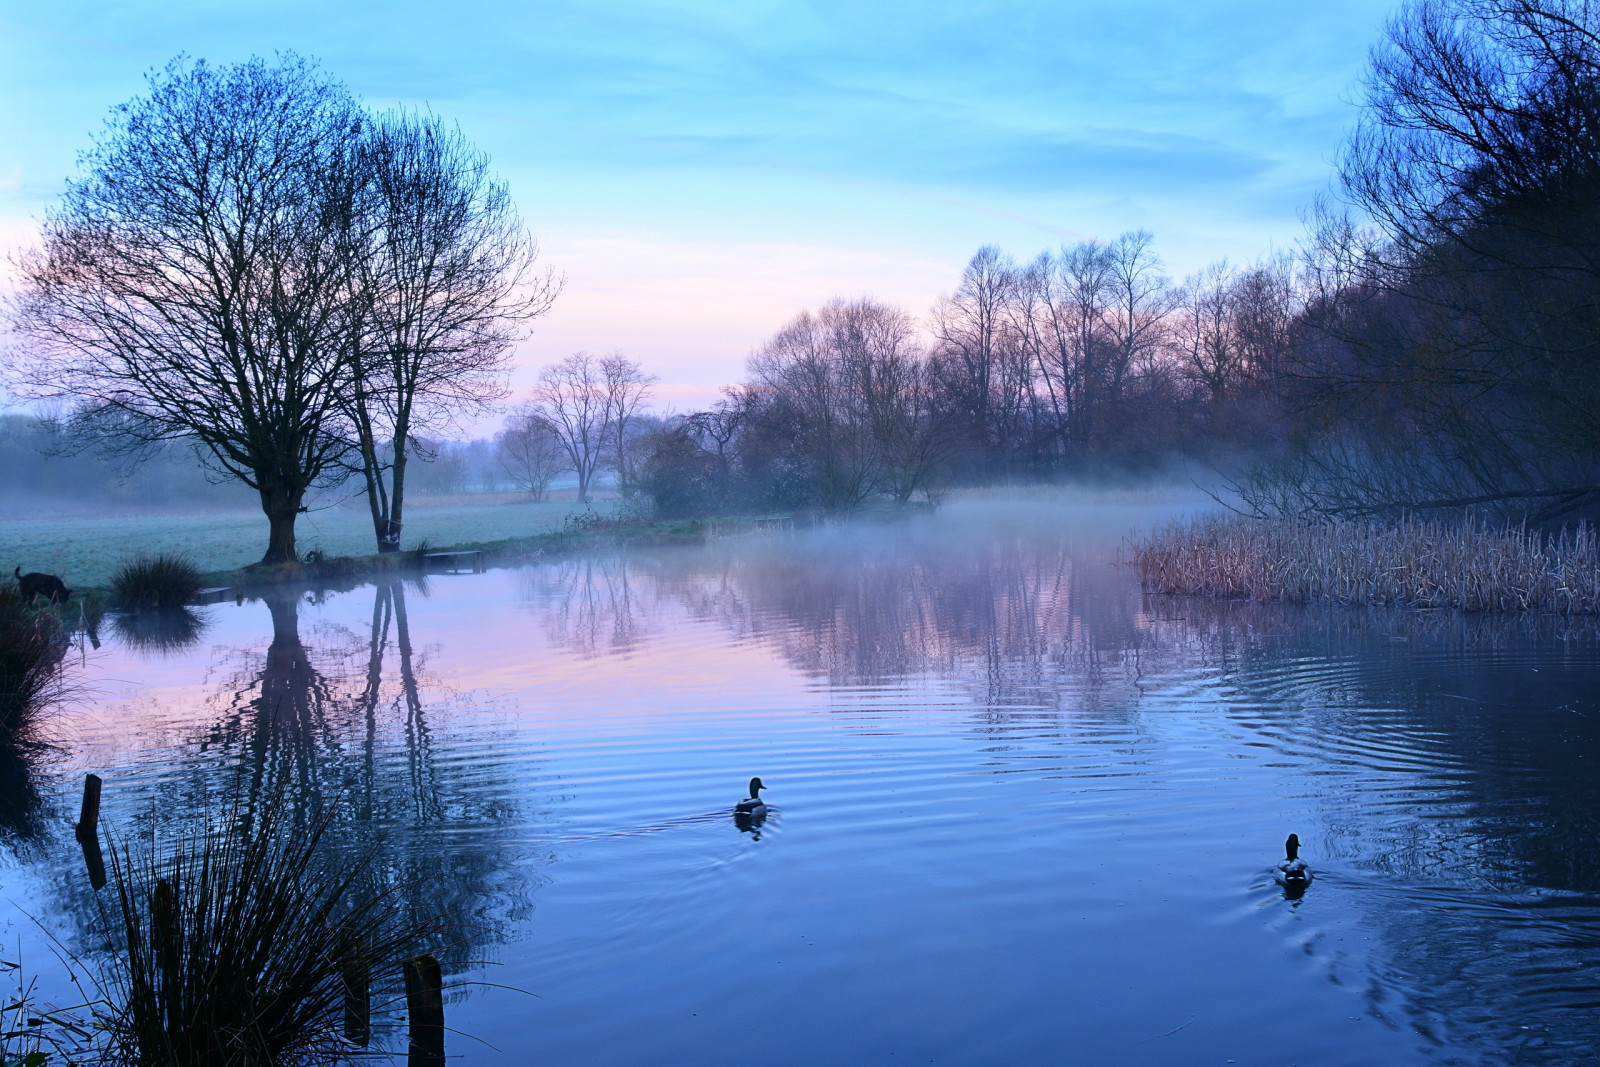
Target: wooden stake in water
(89, 814)
(88, 832)
(425, 1005)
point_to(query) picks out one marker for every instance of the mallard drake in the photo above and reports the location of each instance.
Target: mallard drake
(754, 805)
(1292, 870)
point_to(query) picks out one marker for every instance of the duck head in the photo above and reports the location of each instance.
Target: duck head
(1291, 847)
(755, 788)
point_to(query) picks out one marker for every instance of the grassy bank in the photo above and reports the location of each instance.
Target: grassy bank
(339, 571)
(86, 551)
(1414, 563)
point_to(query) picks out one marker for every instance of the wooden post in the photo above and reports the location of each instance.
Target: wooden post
(88, 832)
(93, 860)
(425, 1005)
(89, 814)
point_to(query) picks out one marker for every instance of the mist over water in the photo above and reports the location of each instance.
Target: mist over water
(1021, 812)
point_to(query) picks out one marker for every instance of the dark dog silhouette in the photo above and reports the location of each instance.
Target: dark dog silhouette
(42, 585)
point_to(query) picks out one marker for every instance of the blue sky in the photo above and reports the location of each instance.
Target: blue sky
(702, 171)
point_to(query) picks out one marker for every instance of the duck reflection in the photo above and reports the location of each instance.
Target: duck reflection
(750, 822)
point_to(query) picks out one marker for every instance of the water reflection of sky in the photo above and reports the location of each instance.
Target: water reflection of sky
(1021, 812)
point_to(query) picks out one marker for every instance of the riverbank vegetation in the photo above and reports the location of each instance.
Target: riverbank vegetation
(1413, 563)
(31, 646)
(1426, 352)
(247, 943)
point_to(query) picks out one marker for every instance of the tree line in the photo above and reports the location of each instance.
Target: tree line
(1084, 361)
(1431, 347)
(302, 290)
(255, 265)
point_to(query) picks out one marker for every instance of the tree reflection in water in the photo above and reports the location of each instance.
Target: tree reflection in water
(589, 605)
(346, 727)
(1454, 755)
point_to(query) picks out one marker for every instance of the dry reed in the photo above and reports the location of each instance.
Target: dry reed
(1470, 566)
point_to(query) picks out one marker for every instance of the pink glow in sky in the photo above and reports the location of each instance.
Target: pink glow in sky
(703, 171)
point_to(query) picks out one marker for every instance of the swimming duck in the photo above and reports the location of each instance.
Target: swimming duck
(754, 805)
(1293, 871)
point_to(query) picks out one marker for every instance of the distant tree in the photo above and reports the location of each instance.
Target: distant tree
(847, 395)
(985, 371)
(678, 473)
(192, 283)
(447, 281)
(1140, 299)
(571, 399)
(530, 452)
(627, 389)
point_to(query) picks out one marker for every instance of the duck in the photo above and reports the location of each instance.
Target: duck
(754, 805)
(1292, 871)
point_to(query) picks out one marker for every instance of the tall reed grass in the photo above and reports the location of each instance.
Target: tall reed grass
(237, 947)
(1471, 566)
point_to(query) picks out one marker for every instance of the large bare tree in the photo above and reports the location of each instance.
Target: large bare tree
(448, 281)
(192, 283)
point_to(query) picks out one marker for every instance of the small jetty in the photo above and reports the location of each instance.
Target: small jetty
(453, 562)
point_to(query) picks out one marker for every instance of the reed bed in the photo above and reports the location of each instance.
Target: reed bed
(1414, 563)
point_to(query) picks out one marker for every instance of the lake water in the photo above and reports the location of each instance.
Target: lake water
(1021, 813)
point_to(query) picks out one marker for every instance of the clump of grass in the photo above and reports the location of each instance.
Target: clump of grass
(155, 583)
(1471, 566)
(31, 647)
(236, 946)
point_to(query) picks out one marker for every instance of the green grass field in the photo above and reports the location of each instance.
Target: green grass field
(85, 551)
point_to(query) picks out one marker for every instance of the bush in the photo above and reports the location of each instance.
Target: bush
(157, 583)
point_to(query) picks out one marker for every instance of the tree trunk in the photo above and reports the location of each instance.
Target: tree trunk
(282, 507)
(389, 540)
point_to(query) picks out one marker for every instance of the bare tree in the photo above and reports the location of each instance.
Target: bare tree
(846, 393)
(1450, 345)
(627, 393)
(448, 281)
(529, 450)
(1207, 332)
(987, 368)
(571, 399)
(192, 283)
(1140, 299)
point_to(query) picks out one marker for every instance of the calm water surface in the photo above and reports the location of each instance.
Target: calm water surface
(1021, 812)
